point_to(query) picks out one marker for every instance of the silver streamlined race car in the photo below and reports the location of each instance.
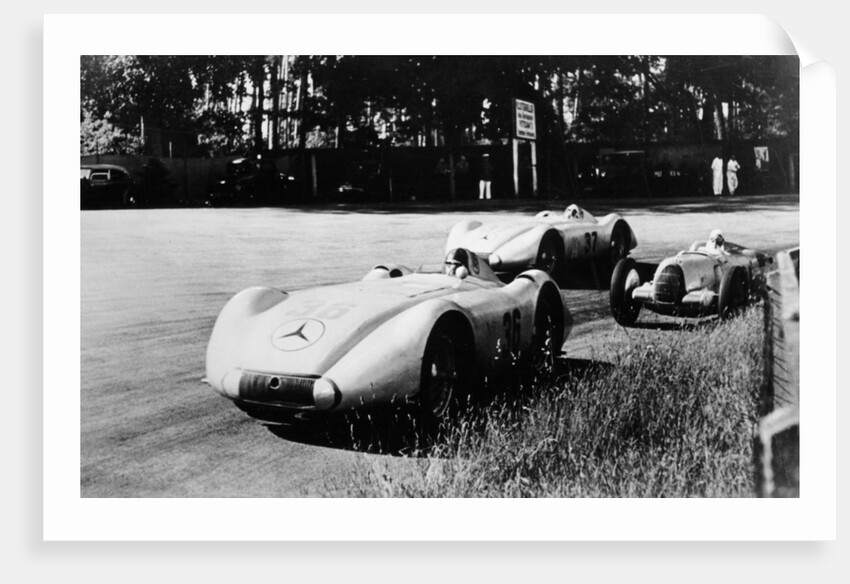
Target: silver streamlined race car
(718, 277)
(396, 336)
(546, 240)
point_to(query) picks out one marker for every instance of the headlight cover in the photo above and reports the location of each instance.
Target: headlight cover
(325, 393)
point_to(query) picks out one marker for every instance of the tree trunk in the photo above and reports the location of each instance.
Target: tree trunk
(258, 80)
(275, 113)
(302, 127)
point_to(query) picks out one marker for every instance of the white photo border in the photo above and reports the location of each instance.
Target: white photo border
(67, 516)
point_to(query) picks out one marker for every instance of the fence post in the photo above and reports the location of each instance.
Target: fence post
(777, 446)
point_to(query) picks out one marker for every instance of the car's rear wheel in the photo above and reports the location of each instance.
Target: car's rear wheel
(440, 375)
(734, 293)
(624, 280)
(550, 254)
(544, 339)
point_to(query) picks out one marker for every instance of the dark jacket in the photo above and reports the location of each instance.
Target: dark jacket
(486, 170)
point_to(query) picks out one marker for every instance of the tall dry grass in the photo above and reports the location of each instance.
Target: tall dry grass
(668, 415)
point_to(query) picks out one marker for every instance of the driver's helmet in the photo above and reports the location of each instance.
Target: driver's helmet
(715, 240)
(455, 259)
(574, 212)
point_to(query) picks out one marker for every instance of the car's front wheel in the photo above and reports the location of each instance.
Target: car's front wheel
(550, 253)
(440, 374)
(624, 280)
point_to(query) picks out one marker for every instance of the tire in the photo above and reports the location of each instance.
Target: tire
(544, 339)
(623, 281)
(550, 254)
(439, 379)
(619, 247)
(734, 293)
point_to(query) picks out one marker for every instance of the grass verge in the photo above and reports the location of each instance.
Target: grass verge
(668, 415)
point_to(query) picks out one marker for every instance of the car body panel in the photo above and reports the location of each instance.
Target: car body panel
(517, 244)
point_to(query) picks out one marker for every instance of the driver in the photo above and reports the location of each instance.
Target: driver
(455, 259)
(715, 241)
(574, 212)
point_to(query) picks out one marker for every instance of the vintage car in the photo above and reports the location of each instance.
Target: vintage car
(546, 241)
(250, 181)
(105, 186)
(716, 278)
(397, 337)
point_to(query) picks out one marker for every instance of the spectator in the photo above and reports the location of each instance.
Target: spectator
(486, 178)
(462, 175)
(462, 166)
(717, 175)
(732, 168)
(441, 172)
(442, 168)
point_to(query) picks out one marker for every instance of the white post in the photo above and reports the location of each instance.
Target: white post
(792, 172)
(534, 167)
(516, 166)
(313, 171)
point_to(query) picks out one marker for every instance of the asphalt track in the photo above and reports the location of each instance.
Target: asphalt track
(153, 282)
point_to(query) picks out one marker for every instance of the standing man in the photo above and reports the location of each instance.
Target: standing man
(462, 176)
(717, 175)
(442, 173)
(486, 177)
(732, 168)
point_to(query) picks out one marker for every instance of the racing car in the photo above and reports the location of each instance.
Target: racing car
(547, 240)
(398, 336)
(719, 278)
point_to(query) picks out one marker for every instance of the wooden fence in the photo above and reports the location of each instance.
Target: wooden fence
(777, 446)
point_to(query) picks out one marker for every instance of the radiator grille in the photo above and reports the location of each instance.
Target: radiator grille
(670, 285)
(277, 388)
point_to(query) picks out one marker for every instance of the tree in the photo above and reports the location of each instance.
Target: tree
(221, 104)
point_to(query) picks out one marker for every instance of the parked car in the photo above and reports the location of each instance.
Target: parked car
(622, 173)
(363, 181)
(719, 278)
(105, 186)
(396, 337)
(250, 182)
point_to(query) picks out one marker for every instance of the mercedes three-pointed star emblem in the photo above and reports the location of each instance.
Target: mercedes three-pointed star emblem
(297, 334)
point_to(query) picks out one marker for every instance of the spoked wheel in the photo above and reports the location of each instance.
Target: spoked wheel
(734, 293)
(550, 253)
(619, 244)
(439, 377)
(623, 282)
(544, 339)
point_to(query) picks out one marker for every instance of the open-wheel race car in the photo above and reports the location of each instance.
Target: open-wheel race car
(398, 336)
(717, 278)
(546, 241)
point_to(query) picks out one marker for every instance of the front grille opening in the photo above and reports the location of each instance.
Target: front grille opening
(282, 389)
(670, 285)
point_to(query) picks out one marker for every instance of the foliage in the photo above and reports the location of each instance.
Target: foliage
(672, 418)
(235, 103)
(99, 136)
